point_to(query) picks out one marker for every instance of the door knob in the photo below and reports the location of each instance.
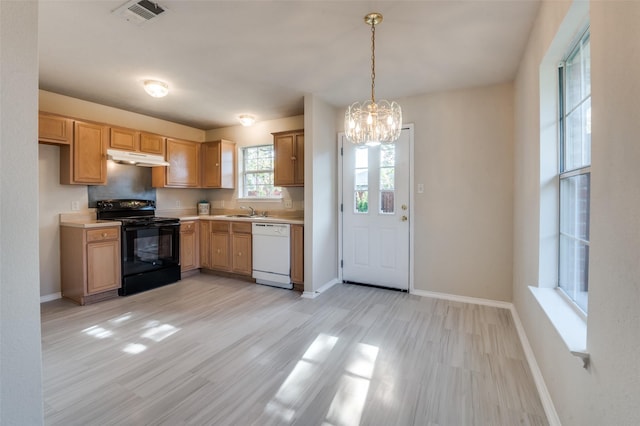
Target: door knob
(404, 218)
(404, 207)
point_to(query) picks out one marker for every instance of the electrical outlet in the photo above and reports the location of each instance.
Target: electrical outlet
(178, 204)
(288, 204)
(75, 206)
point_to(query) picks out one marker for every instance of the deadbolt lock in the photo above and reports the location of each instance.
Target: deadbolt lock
(404, 207)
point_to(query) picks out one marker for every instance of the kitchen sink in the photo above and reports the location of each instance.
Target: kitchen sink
(239, 215)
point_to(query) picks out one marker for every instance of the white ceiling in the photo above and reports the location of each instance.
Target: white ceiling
(225, 58)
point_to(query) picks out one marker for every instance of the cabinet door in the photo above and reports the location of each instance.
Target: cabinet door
(124, 139)
(284, 157)
(220, 251)
(218, 164)
(188, 246)
(205, 244)
(53, 129)
(211, 164)
(103, 266)
(152, 144)
(298, 168)
(89, 161)
(297, 254)
(241, 254)
(184, 164)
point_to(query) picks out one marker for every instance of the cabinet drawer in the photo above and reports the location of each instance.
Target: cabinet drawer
(103, 234)
(219, 226)
(187, 226)
(241, 227)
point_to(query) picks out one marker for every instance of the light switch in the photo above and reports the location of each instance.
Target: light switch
(420, 188)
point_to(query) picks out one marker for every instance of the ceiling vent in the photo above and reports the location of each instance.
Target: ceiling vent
(139, 11)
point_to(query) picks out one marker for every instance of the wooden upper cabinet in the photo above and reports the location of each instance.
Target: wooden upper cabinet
(218, 164)
(288, 168)
(134, 140)
(183, 170)
(53, 129)
(85, 162)
(125, 139)
(152, 144)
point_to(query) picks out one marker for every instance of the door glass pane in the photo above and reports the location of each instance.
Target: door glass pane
(361, 201)
(361, 193)
(387, 178)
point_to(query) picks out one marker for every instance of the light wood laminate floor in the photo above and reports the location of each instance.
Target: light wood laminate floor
(217, 351)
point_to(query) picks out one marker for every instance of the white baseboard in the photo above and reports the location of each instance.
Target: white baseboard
(464, 299)
(325, 287)
(543, 392)
(50, 297)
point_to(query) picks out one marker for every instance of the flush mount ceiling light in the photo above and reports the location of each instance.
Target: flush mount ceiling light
(155, 88)
(246, 119)
(372, 123)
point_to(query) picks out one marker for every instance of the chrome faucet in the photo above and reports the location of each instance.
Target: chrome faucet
(253, 211)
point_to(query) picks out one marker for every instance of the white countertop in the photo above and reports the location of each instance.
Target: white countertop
(90, 223)
(259, 219)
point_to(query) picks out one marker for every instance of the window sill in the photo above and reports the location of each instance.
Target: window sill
(260, 199)
(571, 327)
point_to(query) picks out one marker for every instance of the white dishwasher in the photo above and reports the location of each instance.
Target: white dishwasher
(271, 254)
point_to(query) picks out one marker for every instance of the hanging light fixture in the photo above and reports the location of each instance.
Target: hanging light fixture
(156, 88)
(372, 123)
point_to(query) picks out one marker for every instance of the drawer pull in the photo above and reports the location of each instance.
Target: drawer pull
(104, 235)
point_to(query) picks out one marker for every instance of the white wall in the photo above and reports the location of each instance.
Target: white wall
(258, 134)
(20, 348)
(463, 220)
(607, 392)
(321, 195)
(53, 199)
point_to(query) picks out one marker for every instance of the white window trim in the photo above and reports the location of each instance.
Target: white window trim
(563, 314)
(241, 197)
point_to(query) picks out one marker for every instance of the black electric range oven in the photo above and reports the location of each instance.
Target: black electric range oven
(150, 244)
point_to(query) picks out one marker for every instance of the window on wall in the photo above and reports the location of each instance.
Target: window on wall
(575, 172)
(257, 173)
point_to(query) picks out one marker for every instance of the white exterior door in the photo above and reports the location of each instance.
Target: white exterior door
(375, 213)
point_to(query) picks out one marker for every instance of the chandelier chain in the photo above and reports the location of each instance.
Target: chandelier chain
(373, 61)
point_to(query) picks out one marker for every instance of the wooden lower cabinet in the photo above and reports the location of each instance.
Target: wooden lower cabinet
(220, 251)
(205, 244)
(297, 256)
(227, 246)
(189, 246)
(241, 244)
(90, 263)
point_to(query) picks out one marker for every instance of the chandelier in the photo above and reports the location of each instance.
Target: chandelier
(372, 123)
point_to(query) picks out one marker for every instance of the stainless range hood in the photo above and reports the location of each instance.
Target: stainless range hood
(136, 158)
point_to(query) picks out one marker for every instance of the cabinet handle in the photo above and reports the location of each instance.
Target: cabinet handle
(104, 235)
(293, 158)
(218, 251)
(217, 164)
(239, 253)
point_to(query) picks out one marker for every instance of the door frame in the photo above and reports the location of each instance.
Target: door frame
(340, 141)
